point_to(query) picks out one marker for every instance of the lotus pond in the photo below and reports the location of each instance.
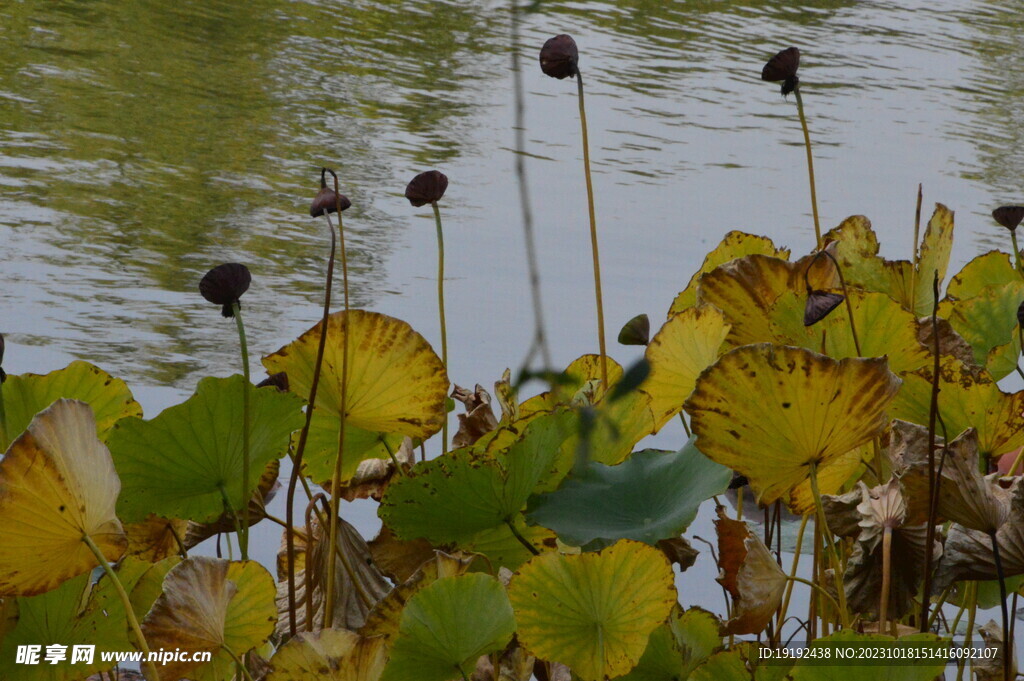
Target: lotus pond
(834, 435)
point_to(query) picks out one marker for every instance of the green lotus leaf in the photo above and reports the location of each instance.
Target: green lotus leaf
(990, 269)
(28, 394)
(150, 582)
(182, 463)
(653, 495)
(504, 549)
(808, 409)
(455, 497)
(396, 387)
(986, 320)
(968, 398)
(77, 613)
(734, 245)
(211, 605)
(740, 663)
(923, 669)
(447, 625)
(329, 655)
(1003, 360)
(678, 646)
(57, 486)
(884, 328)
(687, 344)
(594, 611)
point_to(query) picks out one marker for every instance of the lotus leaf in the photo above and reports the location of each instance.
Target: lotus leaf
(687, 343)
(992, 269)
(330, 655)
(209, 604)
(652, 495)
(447, 625)
(452, 498)
(594, 611)
(28, 394)
(750, 574)
(988, 319)
(186, 461)
(155, 538)
(923, 669)
(678, 646)
(734, 245)
(810, 410)
(57, 485)
(396, 387)
(1003, 360)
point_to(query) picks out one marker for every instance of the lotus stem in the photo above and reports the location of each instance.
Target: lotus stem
(129, 611)
(933, 483)
(182, 551)
(243, 533)
(307, 573)
(1007, 643)
(938, 607)
(837, 567)
(3, 416)
(846, 295)
(304, 433)
(336, 477)
(522, 540)
(883, 606)
(440, 310)
(1016, 253)
(593, 232)
(810, 165)
(781, 618)
(540, 343)
(238, 661)
(972, 610)
(817, 588)
(398, 467)
(917, 247)
(686, 427)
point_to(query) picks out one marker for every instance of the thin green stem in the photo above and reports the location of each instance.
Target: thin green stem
(343, 414)
(593, 232)
(837, 567)
(916, 249)
(304, 434)
(1016, 253)
(440, 310)
(938, 606)
(522, 540)
(789, 587)
(815, 587)
(394, 459)
(883, 606)
(934, 481)
(243, 535)
(238, 661)
(1007, 643)
(686, 427)
(972, 611)
(129, 611)
(810, 165)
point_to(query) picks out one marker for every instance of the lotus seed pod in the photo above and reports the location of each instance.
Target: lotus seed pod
(224, 286)
(783, 67)
(637, 331)
(1009, 216)
(326, 200)
(426, 188)
(819, 305)
(559, 57)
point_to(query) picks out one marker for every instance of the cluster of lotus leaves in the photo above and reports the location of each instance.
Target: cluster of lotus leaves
(544, 534)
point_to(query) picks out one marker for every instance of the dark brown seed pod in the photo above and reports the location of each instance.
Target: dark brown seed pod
(559, 57)
(224, 285)
(326, 199)
(426, 188)
(278, 380)
(819, 305)
(1009, 216)
(1020, 314)
(637, 331)
(3, 376)
(783, 67)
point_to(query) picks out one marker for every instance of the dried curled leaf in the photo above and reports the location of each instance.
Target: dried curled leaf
(750, 574)
(479, 418)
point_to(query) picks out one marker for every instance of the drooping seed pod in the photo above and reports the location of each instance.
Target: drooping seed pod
(1020, 314)
(637, 331)
(278, 380)
(326, 200)
(426, 188)
(819, 305)
(783, 67)
(1009, 216)
(3, 376)
(224, 286)
(559, 57)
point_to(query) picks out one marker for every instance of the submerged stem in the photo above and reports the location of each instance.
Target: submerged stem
(243, 535)
(593, 233)
(440, 309)
(810, 164)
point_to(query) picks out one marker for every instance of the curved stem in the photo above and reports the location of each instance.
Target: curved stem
(1016, 253)
(243, 534)
(343, 414)
(129, 611)
(810, 164)
(789, 587)
(522, 540)
(846, 295)
(440, 309)
(238, 661)
(398, 467)
(593, 233)
(1007, 643)
(304, 434)
(972, 610)
(837, 567)
(815, 587)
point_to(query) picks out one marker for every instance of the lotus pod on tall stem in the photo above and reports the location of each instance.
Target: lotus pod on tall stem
(1010, 217)
(559, 58)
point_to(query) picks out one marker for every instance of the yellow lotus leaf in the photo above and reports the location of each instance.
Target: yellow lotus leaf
(686, 345)
(330, 655)
(994, 268)
(396, 387)
(1003, 360)
(968, 398)
(57, 485)
(745, 289)
(884, 329)
(211, 605)
(593, 611)
(770, 411)
(155, 538)
(735, 245)
(583, 373)
(986, 320)
(834, 475)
